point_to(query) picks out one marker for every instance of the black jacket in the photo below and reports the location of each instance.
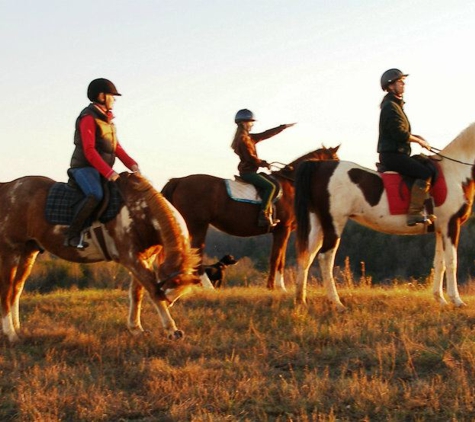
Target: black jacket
(394, 126)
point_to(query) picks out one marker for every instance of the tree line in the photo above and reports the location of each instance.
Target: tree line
(380, 256)
(383, 258)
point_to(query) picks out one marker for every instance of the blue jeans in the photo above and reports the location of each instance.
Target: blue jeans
(89, 180)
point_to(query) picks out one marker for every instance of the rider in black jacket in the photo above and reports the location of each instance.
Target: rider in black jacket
(394, 144)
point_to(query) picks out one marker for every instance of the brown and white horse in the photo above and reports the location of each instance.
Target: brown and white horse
(146, 224)
(203, 200)
(329, 193)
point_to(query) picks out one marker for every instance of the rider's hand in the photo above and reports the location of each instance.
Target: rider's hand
(264, 163)
(114, 177)
(423, 143)
(135, 169)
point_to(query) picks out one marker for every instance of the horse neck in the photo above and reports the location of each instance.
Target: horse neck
(173, 236)
(462, 148)
(290, 174)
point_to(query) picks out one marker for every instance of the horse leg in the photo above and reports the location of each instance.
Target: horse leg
(136, 292)
(167, 321)
(305, 259)
(206, 282)
(439, 270)
(327, 261)
(22, 273)
(8, 270)
(277, 259)
(450, 248)
(198, 236)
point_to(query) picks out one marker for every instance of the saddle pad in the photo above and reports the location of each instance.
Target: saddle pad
(399, 195)
(242, 192)
(62, 201)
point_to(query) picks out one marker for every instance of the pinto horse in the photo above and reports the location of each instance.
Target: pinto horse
(329, 193)
(203, 200)
(146, 224)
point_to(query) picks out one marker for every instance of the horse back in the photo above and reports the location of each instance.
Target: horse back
(24, 190)
(196, 188)
(22, 203)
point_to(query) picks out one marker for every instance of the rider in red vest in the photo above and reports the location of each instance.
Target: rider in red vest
(244, 145)
(96, 147)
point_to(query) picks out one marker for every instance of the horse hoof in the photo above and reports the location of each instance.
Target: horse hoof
(136, 331)
(340, 307)
(177, 335)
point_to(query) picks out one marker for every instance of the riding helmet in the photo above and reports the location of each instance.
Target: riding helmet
(101, 85)
(244, 115)
(390, 76)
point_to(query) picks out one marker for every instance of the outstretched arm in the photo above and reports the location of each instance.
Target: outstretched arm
(256, 137)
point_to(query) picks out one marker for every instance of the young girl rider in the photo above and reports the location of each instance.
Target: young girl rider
(244, 145)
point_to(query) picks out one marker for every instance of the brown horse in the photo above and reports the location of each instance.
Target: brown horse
(203, 200)
(146, 224)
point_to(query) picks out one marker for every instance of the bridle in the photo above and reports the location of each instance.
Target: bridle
(161, 283)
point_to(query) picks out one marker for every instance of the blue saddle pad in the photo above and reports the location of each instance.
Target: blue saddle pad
(63, 199)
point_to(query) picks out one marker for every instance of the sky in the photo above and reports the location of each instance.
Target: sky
(184, 68)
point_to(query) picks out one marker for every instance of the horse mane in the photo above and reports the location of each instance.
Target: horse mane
(174, 235)
(322, 153)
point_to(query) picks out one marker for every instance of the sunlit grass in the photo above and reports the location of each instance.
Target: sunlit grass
(248, 355)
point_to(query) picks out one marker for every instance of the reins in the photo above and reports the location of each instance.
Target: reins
(280, 168)
(437, 152)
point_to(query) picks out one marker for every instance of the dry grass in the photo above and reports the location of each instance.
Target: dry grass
(248, 355)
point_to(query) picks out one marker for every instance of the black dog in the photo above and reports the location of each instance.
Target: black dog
(215, 272)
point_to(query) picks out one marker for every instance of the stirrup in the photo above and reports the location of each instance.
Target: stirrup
(76, 242)
(413, 220)
(266, 220)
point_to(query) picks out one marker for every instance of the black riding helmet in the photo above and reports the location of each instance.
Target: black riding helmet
(244, 115)
(390, 76)
(100, 85)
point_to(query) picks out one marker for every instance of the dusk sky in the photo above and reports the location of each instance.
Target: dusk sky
(185, 67)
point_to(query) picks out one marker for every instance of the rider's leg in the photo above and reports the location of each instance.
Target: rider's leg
(89, 180)
(268, 189)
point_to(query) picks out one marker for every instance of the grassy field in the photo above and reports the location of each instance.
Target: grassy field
(248, 355)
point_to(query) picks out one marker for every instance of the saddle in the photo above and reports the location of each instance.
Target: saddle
(398, 187)
(242, 191)
(63, 198)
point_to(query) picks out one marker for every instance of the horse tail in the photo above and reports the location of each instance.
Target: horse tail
(169, 189)
(303, 185)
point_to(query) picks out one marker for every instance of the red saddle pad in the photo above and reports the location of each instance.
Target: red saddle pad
(399, 195)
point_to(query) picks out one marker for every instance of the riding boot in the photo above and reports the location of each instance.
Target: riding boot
(73, 235)
(419, 193)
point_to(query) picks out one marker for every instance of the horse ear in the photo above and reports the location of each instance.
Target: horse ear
(336, 148)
